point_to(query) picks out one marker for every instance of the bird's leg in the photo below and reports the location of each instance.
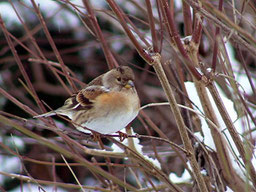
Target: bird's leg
(122, 136)
(95, 136)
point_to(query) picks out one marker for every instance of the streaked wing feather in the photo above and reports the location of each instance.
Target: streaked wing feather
(88, 95)
(83, 100)
(69, 103)
(48, 114)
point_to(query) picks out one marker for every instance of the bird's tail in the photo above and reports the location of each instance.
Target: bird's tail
(48, 114)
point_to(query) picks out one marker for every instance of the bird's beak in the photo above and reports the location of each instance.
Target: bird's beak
(129, 84)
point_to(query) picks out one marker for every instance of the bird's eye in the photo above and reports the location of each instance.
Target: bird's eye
(118, 79)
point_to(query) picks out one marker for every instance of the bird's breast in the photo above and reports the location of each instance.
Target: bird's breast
(112, 111)
(117, 102)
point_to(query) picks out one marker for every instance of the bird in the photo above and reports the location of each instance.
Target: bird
(106, 105)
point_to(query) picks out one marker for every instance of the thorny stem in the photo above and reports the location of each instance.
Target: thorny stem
(55, 50)
(148, 166)
(219, 141)
(223, 26)
(197, 33)
(187, 18)
(211, 9)
(172, 28)
(232, 130)
(180, 123)
(152, 26)
(239, 51)
(121, 18)
(20, 65)
(174, 35)
(33, 41)
(215, 48)
(96, 29)
(59, 184)
(66, 153)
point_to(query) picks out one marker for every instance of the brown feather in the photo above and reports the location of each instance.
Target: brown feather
(80, 98)
(88, 95)
(70, 103)
(96, 81)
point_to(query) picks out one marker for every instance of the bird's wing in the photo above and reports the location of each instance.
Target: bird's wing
(69, 104)
(83, 100)
(88, 95)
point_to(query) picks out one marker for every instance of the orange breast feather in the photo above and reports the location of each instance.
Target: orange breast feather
(113, 98)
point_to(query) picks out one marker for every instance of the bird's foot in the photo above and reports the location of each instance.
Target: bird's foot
(96, 136)
(122, 136)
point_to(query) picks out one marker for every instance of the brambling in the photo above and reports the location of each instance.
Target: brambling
(106, 105)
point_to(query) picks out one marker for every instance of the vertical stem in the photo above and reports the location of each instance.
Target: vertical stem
(172, 28)
(176, 37)
(180, 123)
(96, 28)
(20, 65)
(121, 18)
(197, 33)
(54, 48)
(215, 48)
(232, 130)
(152, 26)
(187, 18)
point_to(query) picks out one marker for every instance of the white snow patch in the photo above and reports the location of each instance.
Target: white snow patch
(16, 141)
(117, 45)
(8, 165)
(229, 190)
(207, 134)
(241, 78)
(184, 178)
(204, 172)
(178, 4)
(9, 17)
(138, 147)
